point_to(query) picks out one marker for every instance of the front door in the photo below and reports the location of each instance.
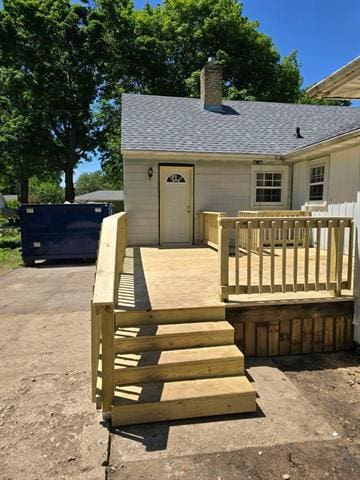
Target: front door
(176, 204)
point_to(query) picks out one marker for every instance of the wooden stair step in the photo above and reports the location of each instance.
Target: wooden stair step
(172, 315)
(179, 364)
(172, 336)
(152, 402)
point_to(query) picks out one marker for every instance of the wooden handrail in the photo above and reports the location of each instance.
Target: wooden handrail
(110, 258)
(109, 266)
(288, 234)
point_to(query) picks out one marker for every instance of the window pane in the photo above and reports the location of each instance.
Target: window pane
(259, 179)
(268, 179)
(316, 192)
(317, 174)
(277, 180)
(272, 195)
(175, 178)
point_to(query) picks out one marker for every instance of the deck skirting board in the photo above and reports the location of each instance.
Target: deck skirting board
(272, 330)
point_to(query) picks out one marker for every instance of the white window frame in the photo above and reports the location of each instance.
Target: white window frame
(284, 170)
(318, 162)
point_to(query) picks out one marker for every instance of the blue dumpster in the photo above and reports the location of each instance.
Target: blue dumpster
(61, 231)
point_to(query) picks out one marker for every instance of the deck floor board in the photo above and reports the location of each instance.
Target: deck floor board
(156, 278)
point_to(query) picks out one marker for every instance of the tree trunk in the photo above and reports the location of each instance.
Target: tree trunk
(69, 184)
(24, 190)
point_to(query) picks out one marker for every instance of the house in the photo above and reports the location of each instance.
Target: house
(115, 197)
(344, 167)
(186, 155)
(171, 326)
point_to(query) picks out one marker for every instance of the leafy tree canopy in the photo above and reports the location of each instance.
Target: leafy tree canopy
(99, 180)
(64, 66)
(172, 42)
(51, 46)
(45, 190)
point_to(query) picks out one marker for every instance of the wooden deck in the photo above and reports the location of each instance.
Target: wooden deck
(156, 278)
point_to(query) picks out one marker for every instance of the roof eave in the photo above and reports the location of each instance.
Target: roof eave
(176, 155)
(324, 147)
(340, 79)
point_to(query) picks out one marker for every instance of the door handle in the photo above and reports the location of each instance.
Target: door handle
(188, 210)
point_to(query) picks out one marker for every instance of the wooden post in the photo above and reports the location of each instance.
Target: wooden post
(223, 253)
(284, 242)
(328, 254)
(295, 258)
(261, 255)
(317, 254)
(107, 329)
(249, 246)
(95, 348)
(306, 256)
(334, 257)
(201, 228)
(272, 256)
(335, 246)
(350, 254)
(237, 247)
(339, 258)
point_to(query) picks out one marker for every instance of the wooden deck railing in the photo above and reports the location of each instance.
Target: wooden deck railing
(209, 225)
(109, 265)
(288, 268)
(277, 236)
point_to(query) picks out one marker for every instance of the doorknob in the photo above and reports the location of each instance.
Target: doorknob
(188, 209)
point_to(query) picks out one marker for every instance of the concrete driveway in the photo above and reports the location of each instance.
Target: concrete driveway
(307, 423)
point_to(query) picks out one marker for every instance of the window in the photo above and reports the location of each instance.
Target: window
(317, 179)
(175, 178)
(268, 187)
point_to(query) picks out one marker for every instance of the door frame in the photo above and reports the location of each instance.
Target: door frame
(192, 225)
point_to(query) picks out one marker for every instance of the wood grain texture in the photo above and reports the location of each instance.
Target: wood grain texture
(293, 329)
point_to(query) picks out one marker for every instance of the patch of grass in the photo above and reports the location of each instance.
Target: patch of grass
(9, 259)
(10, 256)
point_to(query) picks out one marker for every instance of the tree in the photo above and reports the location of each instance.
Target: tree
(90, 182)
(23, 133)
(172, 42)
(45, 191)
(161, 50)
(55, 44)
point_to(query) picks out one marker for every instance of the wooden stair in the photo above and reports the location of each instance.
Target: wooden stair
(176, 369)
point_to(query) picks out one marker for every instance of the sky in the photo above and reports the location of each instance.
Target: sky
(325, 34)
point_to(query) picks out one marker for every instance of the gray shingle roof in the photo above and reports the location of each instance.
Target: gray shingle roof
(101, 196)
(157, 123)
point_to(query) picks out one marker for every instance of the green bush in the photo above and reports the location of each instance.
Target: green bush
(45, 191)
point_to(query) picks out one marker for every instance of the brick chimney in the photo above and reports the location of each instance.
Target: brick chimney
(211, 83)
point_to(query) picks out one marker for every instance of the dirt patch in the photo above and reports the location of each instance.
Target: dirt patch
(49, 429)
(332, 383)
(329, 460)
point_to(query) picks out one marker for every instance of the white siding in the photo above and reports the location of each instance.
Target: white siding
(300, 179)
(343, 196)
(218, 186)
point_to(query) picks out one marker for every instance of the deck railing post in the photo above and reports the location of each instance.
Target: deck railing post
(201, 228)
(223, 252)
(95, 348)
(334, 256)
(107, 330)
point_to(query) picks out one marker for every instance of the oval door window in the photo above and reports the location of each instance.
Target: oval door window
(176, 178)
